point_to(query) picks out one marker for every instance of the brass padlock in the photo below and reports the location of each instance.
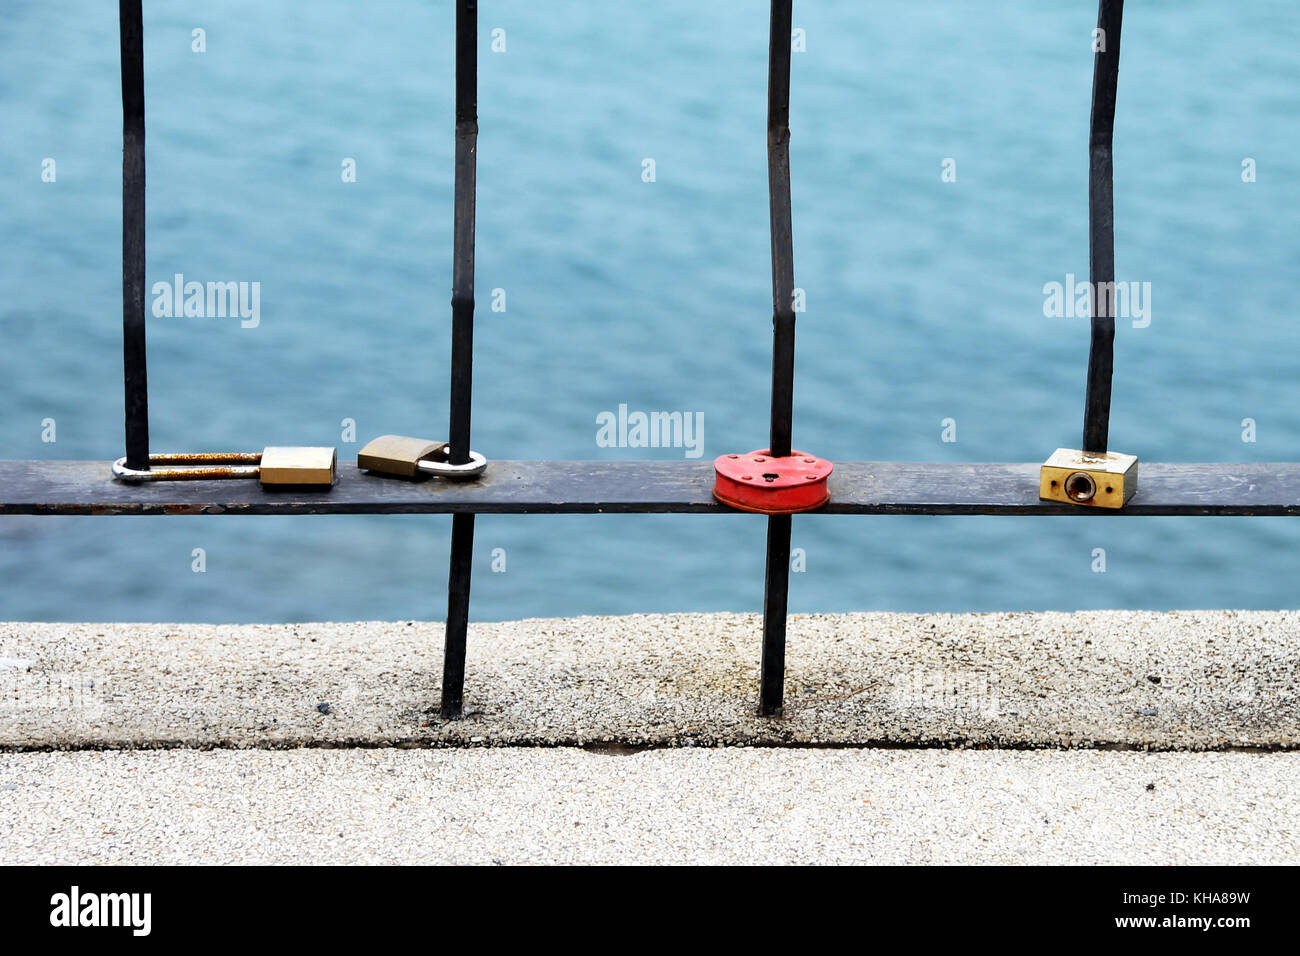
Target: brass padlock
(297, 465)
(276, 466)
(397, 456)
(1106, 480)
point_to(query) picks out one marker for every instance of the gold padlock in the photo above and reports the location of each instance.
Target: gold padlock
(1075, 477)
(297, 465)
(397, 456)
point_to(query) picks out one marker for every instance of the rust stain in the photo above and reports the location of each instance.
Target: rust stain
(196, 474)
(201, 457)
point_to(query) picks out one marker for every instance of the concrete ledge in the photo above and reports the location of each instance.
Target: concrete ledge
(1184, 680)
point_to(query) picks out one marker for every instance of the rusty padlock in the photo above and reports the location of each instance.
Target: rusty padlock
(275, 466)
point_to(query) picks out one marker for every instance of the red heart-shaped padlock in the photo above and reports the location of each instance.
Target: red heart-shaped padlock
(772, 486)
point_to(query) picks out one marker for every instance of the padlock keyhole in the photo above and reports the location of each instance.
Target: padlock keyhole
(1080, 486)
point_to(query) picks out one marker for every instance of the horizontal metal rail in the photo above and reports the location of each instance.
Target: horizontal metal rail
(631, 487)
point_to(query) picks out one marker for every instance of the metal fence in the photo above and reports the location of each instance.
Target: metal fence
(555, 487)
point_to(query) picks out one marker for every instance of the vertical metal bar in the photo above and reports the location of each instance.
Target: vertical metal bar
(462, 281)
(134, 379)
(1101, 226)
(778, 190)
(458, 579)
(776, 583)
(776, 587)
(462, 350)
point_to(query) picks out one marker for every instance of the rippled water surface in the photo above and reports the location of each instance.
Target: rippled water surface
(924, 298)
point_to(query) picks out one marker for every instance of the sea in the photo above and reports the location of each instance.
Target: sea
(939, 158)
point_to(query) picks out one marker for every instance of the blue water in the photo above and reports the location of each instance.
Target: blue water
(924, 298)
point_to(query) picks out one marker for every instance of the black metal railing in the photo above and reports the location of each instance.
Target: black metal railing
(462, 352)
(554, 487)
(776, 577)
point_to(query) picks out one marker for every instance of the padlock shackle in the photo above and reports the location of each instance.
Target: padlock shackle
(443, 468)
(195, 466)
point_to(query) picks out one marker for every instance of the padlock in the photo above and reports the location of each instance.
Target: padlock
(276, 466)
(1106, 480)
(772, 486)
(396, 456)
(298, 465)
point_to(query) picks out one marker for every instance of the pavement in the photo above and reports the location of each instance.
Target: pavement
(567, 805)
(1094, 737)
